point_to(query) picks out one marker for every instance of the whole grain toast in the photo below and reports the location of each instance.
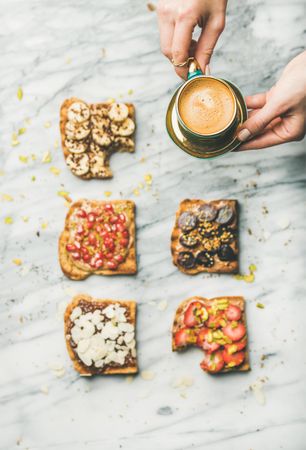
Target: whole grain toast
(219, 266)
(131, 365)
(75, 271)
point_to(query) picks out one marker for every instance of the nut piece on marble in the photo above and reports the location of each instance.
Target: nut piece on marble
(101, 335)
(91, 133)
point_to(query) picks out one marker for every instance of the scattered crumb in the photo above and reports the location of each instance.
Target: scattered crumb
(20, 93)
(17, 261)
(8, 220)
(23, 159)
(107, 193)
(25, 218)
(7, 198)
(47, 158)
(44, 225)
(257, 389)
(260, 305)
(129, 379)
(47, 124)
(151, 7)
(248, 278)
(65, 195)
(136, 192)
(162, 305)
(55, 170)
(182, 382)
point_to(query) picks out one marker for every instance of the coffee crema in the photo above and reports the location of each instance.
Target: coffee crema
(206, 106)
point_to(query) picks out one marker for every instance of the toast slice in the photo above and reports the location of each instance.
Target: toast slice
(98, 238)
(100, 335)
(206, 323)
(91, 133)
(205, 237)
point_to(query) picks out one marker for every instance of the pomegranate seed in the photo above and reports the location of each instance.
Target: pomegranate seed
(108, 255)
(113, 219)
(112, 265)
(108, 207)
(119, 258)
(99, 255)
(122, 218)
(120, 227)
(76, 255)
(124, 242)
(98, 228)
(125, 233)
(81, 213)
(92, 239)
(77, 244)
(91, 217)
(80, 229)
(70, 248)
(107, 227)
(86, 257)
(114, 227)
(99, 263)
(92, 262)
(109, 243)
(84, 249)
(90, 225)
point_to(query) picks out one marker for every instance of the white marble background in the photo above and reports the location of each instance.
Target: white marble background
(97, 49)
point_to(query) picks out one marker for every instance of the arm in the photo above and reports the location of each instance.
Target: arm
(278, 115)
(177, 20)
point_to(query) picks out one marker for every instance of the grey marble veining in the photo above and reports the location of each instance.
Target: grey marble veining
(100, 49)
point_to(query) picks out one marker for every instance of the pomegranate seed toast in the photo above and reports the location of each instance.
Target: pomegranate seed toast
(205, 237)
(91, 133)
(99, 238)
(100, 335)
(217, 326)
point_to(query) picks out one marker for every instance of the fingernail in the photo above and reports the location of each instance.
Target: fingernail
(243, 135)
(207, 70)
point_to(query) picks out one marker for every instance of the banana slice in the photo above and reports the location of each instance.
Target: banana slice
(78, 164)
(100, 122)
(124, 143)
(99, 110)
(76, 130)
(101, 137)
(118, 112)
(78, 112)
(99, 166)
(76, 146)
(125, 128)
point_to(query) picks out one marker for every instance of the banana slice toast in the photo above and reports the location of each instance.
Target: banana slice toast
(91, 133)
(205, 237)
(100, 335)
(218, 327)
(99, 238)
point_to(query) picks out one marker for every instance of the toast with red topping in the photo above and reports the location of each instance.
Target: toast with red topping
(218, 327)
(100, 335)
(99, 238)
(205, 237)
(91, 133)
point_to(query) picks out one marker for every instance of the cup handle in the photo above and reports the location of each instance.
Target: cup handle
(194, 69)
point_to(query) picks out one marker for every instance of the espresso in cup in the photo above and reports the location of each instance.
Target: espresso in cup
(206, 106)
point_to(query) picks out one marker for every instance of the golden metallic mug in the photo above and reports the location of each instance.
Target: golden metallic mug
(208, 145)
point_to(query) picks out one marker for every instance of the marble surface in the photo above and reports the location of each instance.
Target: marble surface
(99, 49)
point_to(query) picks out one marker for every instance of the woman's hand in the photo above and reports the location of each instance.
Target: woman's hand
(177, 20)
(278, 115)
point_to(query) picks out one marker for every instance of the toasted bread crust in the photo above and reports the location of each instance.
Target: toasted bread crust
(78, 365)
(73, 271)
(219, 266)
(178, 324)
(107, 172)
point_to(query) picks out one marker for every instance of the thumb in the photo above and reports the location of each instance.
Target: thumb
(256, 123)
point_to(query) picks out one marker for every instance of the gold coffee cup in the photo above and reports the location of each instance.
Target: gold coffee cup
(204, 114)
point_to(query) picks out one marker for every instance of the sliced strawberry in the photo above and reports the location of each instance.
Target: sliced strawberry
(233, 360)
(213, 362)
(86, 257)
(183, 337)
(235, 331)
(203, 338)
(195, 314)
(233, 312)
(215, 320)
(233, 348)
